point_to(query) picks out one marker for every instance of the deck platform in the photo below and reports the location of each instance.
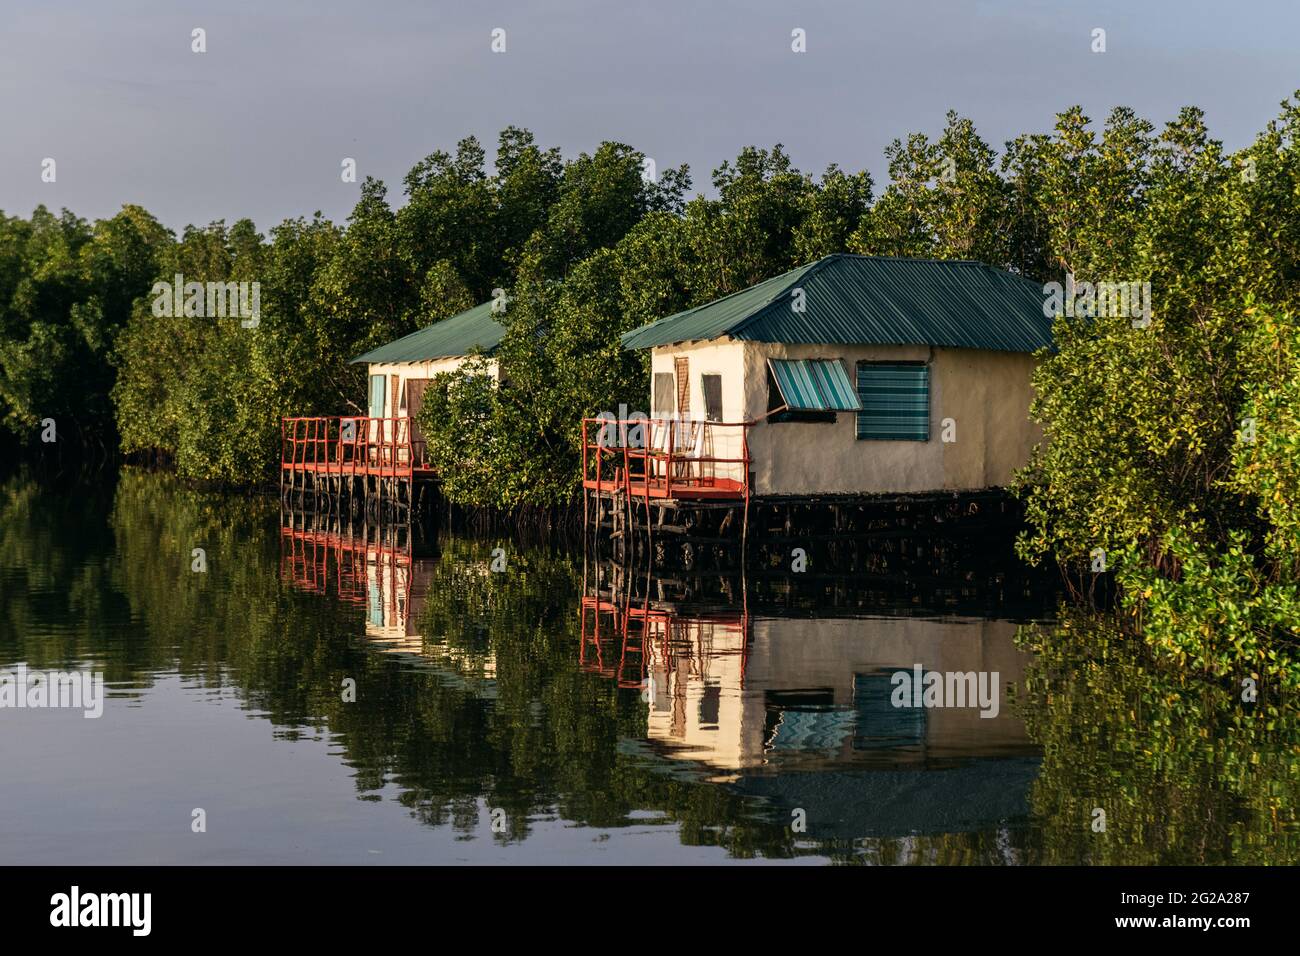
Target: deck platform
(352, 456)
(718, 490)
(639, 473)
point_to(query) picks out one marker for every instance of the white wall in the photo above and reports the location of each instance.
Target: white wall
(407, 370)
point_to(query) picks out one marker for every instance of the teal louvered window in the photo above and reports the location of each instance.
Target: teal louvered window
(808, 390)
(895, 400)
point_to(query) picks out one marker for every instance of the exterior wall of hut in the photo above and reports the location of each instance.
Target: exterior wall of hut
(986, 394)
(418, 370)
(397, 374)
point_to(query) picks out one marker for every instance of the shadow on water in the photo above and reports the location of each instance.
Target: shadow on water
(502, 690)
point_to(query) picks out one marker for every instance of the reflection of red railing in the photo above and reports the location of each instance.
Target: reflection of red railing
(351, 565)
(666, 457)
(350, 446)
(634, 625)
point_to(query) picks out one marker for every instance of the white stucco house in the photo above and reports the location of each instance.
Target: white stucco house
(853, 375)
(399, 371)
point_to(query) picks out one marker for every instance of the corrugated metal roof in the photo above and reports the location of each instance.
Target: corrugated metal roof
(458, 335)
(815, 385)
(871, 300)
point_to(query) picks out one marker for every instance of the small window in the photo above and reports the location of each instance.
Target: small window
(712, 388)
(895, 399)
(776, 400)
(878, 724)
(663, 395)
(710, 706)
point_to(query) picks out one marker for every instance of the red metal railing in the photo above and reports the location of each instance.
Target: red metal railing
(350, 445)
(666, 457)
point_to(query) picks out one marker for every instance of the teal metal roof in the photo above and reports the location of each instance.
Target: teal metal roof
(475, 328)
(871, 300)
(815, 385)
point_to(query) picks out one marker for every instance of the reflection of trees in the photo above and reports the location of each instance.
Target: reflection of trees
(1183, 771)
(549, 735)
(44, 580)
(539, 738)
(1186, 773)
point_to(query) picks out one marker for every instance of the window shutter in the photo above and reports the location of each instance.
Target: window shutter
(712, 387)
(895, 400)
(683, 369)
(663, 401)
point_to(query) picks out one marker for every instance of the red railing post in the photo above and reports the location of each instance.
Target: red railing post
(668, 473)
(744, 454)
(627, 467)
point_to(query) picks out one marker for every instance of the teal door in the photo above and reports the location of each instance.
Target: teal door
(378, 391)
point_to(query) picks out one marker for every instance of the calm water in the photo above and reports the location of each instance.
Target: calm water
(559, 712)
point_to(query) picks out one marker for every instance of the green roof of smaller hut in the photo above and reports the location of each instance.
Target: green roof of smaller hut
(474, 329)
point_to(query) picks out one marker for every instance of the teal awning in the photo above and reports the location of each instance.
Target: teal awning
(814, 385)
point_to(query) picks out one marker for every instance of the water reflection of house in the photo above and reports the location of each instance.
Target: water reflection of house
(816, 691)
(798, 709)
(372, 566)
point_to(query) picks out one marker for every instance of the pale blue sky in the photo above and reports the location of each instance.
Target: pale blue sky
(257, 125)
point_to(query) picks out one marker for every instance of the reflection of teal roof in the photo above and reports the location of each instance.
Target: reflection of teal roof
(871, 300)
(473, 330)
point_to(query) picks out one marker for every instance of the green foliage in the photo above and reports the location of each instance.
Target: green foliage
(1234, 601)
(197, 389)
(1267, 454)
(1144, 455)
(945, 200)
(66, 290)
(209, 393)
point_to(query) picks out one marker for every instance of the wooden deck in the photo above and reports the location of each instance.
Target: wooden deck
(721, 489)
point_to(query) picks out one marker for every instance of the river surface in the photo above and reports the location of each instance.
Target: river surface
(292, 694)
